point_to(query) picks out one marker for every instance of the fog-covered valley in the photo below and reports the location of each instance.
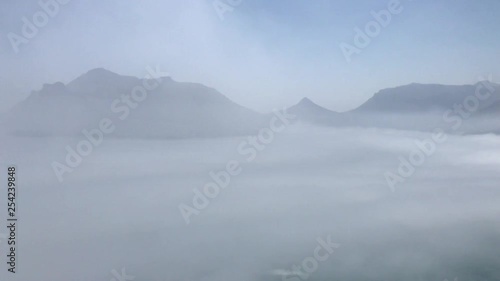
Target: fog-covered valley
(233, 140)
(120, 209)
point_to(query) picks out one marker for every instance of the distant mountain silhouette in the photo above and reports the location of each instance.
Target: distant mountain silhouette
(422, 107)
(308, 111)
(171, 109)
(424, 98)
(492, 110)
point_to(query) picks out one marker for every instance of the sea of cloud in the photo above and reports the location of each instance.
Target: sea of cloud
(119, 210)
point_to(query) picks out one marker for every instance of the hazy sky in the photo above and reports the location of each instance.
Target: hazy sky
(263, 54)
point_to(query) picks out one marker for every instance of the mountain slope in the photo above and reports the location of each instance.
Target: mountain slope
(423, 98)
(425, 107)
(148, 108)
(308, 111)
(167, 109)
(416, 107)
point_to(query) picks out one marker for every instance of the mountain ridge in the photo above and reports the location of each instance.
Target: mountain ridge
(185, 109)
(170, 109)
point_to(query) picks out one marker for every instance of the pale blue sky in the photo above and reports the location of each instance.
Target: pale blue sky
(264, 54)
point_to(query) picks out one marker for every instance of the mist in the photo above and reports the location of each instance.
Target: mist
(193, 140)
(120, 208)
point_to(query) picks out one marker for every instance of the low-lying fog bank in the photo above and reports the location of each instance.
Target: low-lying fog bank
(119, 209)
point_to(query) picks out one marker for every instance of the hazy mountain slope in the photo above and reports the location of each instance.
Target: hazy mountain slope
(172, 109)
(308, 111)
(427, 107)
(175, 109)
(415, 107)
(419, 98)
(493, 110)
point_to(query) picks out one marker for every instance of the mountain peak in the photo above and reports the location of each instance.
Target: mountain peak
(306, 102)
(308, 111)
(97, 75)
(100, 72)
(100, 82)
